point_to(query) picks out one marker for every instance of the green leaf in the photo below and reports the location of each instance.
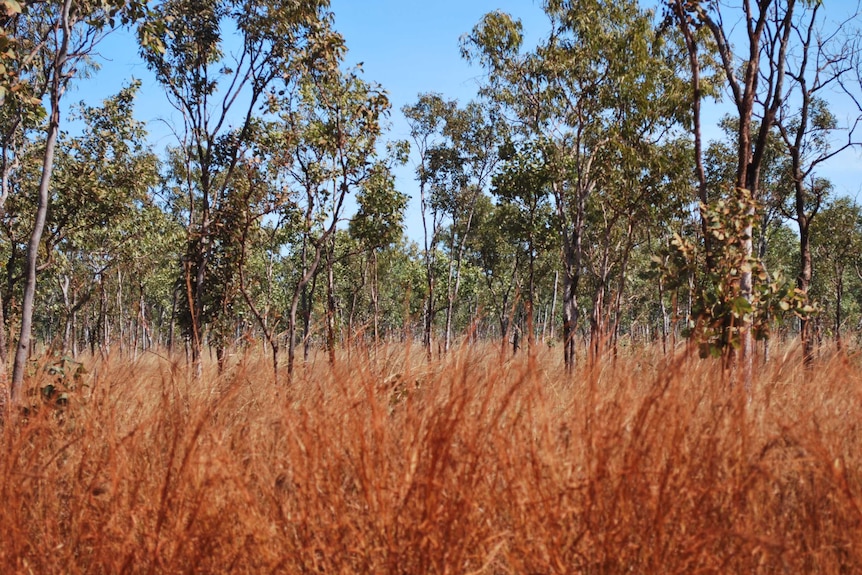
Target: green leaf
(741, 306)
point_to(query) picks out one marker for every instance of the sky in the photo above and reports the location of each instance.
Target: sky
(408, 47)
(411, 47)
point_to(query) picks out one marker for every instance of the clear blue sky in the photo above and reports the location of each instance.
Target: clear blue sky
(407, 46)
(411, 46)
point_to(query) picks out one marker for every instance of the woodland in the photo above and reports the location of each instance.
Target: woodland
(576, 204)
(623, 337)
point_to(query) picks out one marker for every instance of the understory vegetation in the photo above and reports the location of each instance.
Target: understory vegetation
(385, 462)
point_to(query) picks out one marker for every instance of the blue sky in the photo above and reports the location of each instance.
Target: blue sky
(407, 46)
(411, 47)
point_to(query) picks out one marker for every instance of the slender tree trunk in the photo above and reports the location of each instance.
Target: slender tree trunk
(570, 318)
(692, 48)
(429, 314)
(173, 320)
(4, 370)
(839, 296)
(451, 294)
(300, 292)
(597, 327)
(330, 303)
(307, 309)
(102, 322)
(291, 343)
(24, 339)
(571, 228)
(621, 286)
(554, 306)
(664, 320)
(375, 298)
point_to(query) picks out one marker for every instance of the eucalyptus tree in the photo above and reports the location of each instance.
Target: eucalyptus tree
(264, 218)
(837, 244)
(379, 222)
(21, 118)
(221, 59)
(329, 149)
(103, 181)
(576, 92)
(522, 185)
(460, 168)
(645, 196)
(498, 254)
(426, 119)
(53, 42)
(753, 41)
(823, 60)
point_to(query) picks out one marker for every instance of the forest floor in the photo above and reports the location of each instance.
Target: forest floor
(468, 464)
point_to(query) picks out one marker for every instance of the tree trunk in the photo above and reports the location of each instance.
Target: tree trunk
(173, 320)
(429, 314)
(330, 303)
(4, 371)
(554, 307)
(570, 318)
(375, 298)
(839, 296)
(24, 339)
(597, 325)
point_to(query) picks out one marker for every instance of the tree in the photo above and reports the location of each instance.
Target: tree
(103, 179)
(378, 223)
(212, 89)
(54, 40)
(806, 124)
(459, 168)
(522, 185)
(836, 243)
(755, 79)
(577, 94)
(427, 119)
(331, 132)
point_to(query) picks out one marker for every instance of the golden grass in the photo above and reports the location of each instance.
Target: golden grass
(468, 465)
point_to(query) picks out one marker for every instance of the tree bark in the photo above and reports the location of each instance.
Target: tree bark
(803, 282)
(57, 86)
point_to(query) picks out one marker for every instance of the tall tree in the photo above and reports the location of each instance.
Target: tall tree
(522, 185)
(331, 132)
(754, 74)
(837, 241)
(55, 40)
(825, 58)
(379, 221)
(460, 168)
(577, 94)
(217, 86)
(427, 118)
(103, 182)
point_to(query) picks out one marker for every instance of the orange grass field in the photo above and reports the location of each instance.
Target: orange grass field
(462, 465)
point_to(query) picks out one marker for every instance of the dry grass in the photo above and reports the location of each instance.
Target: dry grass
(465, 466)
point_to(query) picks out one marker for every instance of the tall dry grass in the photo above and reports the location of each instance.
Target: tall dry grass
(468, 465)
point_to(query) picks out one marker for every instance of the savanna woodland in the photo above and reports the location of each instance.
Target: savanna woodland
(622, 335)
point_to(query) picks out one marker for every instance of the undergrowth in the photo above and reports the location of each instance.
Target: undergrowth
(387, 463)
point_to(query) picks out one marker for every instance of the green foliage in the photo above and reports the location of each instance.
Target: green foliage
(721, 311)
(379, 220)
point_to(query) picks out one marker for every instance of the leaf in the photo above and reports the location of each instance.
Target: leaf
(741, 306)
(11, 7)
